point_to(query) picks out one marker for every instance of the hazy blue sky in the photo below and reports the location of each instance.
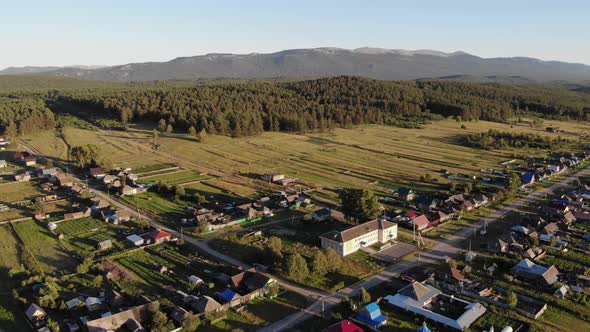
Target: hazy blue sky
(108, 32)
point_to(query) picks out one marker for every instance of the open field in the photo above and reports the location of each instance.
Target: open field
(44, 246)
(19, 191)
(85, 243)
(12, 214)
(373, 157)
(9, 250)
(175, 178)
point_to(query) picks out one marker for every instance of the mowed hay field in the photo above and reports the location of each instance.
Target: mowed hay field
(374, 157)
(9, 249)
(19, 191)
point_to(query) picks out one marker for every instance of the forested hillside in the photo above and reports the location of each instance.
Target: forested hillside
(241, 108)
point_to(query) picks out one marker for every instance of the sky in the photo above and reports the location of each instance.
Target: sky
(106, 32)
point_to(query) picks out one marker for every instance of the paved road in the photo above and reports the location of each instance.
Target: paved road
(450, 247)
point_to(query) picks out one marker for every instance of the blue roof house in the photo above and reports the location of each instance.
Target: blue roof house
(372, 316)
(528, 178)
(228, 295)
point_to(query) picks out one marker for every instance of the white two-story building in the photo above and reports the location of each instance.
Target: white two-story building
(352, 239)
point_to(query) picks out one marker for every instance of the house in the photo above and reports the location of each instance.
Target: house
(36, 315)
(21, 155)
(406, 194)
(128, 320)
(582, 215)
(372, 316)
(63, 180)
(321, 214)
(47, 172)
(352, 239)
(74, 303)
(206, 305)
(526, 269)
(129, 190)
(103, 245)
(3, 164)
(562, 291)
(481, 200)
(468, 205)
(194, 280)
(431, 303)
(30, 161)
(421, 222)
(136, 240)
(178, 315)
(51, 226)
(555, 168)
(229, 296)
(94, 303)
(24, 177)
(527, 178)
(74, 215)
(158, 236)
(273, 177)
(550, 228)
(426, 203)
(97, 172)
(344, 326)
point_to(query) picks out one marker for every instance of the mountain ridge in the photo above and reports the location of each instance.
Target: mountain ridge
(371, 62)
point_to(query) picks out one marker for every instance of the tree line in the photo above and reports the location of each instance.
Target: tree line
(495, 139)
(249, 108)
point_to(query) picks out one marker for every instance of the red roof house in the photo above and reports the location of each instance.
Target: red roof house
(344, 326)
(97, 172)
(159, 236)
(411, 214)
(421, 222)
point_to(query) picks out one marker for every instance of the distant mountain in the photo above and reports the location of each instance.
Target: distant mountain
(389, 64)
(41, 70)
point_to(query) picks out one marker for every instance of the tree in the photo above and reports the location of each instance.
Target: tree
(334, 260)
(359, 205)
(155, 137)
(169, 129)
(203, 136)
(192, 131)
(179, 190)
(162, 125)
(297, 267)
(85, 265)
(157, 320)
(273, 290)
(511, 298)
(190, 323)
(39, 207)
(319, 263)
(364, 296)
(84, 155)
(468, 187)
(49, 163)
(275, 248)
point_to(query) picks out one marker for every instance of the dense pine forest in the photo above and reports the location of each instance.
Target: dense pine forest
(240, 108)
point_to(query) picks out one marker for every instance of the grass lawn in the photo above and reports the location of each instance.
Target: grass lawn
(45, 247)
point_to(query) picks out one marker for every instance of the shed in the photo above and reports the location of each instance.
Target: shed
(106, 244)
(135, 240)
